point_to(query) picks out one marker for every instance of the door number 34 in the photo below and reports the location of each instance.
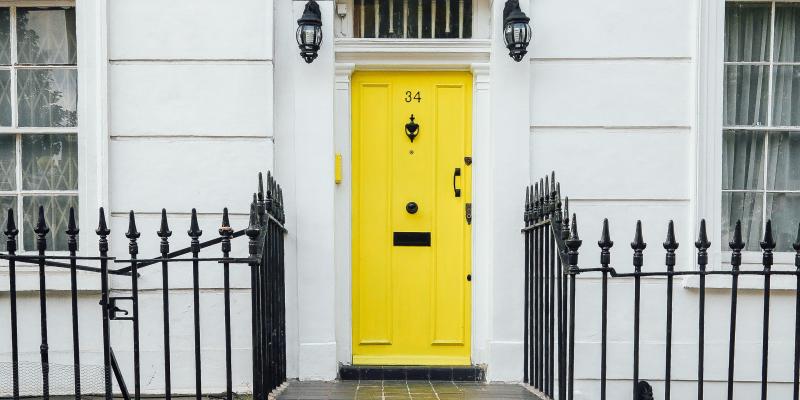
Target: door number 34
(413, 96)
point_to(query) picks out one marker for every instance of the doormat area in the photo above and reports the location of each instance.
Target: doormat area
(367, 389)
(470, 373)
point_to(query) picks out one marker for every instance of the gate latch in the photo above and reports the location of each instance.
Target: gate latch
(116, 313)
(468, 213)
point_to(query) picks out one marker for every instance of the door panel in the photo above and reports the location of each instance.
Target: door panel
(411, 304)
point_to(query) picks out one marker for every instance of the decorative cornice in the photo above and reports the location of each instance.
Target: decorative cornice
(412, 51)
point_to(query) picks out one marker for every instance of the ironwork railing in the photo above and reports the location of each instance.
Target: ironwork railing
(265, 233)
(551, 269)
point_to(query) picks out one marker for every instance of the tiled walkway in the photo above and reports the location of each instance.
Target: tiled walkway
(395, 390)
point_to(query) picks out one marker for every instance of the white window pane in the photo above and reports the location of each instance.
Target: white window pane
(787, 32)
(786, 97)
(56, 213)
(5, 36)
(784, 210)
(46, 36)
(746, 89)
(49, 162)
(47, 97)
(8, 162)
(742, 160)
(784, 161)
(748, 208)
(747, 31)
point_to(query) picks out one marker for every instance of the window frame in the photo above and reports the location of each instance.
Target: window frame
(481, 11)
(19, 132)
(709, 122)
(91, 25)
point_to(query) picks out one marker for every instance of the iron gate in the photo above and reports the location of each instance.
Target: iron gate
(551, 269)
(265, 234)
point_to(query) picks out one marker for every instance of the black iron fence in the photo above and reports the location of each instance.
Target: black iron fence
(551, 269)
(265, 233)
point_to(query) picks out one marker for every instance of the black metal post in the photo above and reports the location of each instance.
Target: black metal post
(670, 245)
(605, 243)
(253, 231)
(226, 232)
(736, 245)
(767, 246)
(194, 233)
(41, 245)
(103, 232)
(573, 244)
(11, 247)
(638, 245)
(702, 246)
(133, 250)
(164, 233)
(526, 219)
(72, 246)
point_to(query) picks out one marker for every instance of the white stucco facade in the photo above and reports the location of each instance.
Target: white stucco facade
(182, 102)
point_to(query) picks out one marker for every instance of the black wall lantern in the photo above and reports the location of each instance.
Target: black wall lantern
(309, 31)
(516, 30)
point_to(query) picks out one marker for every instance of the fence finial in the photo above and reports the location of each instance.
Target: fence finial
(132, 234)
(702, 242)
(11, 232)
(565, 221)
(41, 225)
(670, 245)
(163, 231)
(796, 244)
(72, 226)
(260, 186)
(253, 228)
(767, 245)
(102, 228)
(573, 244)
(226, 224)
(638, 245)
(605, 241)
(638, 239)
(194, 228)
(737, 243)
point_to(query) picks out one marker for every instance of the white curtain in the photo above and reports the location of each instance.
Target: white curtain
(747, 33)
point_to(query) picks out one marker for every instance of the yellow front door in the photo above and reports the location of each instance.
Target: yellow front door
(411, 232)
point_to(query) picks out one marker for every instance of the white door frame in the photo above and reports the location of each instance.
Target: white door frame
(462, 55)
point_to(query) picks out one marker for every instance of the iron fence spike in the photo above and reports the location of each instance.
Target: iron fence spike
(769, 241)
(638, 239)
(11, 226)
(737, 244)
(671, 243)
(102, 228)
(72, 226)
(260, 186)
(796, 244)
(605, 241)
(164, 231)
(194, 228)
(132, 233)
(702, 237)
(41, 224)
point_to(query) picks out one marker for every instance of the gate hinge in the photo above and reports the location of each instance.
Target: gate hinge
(468, 212)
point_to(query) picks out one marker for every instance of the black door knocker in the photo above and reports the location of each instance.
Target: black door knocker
(412, 129)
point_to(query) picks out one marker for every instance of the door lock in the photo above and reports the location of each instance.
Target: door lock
(412, 207)
(456, 173)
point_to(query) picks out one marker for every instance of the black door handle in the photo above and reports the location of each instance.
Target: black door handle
(456, 190)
